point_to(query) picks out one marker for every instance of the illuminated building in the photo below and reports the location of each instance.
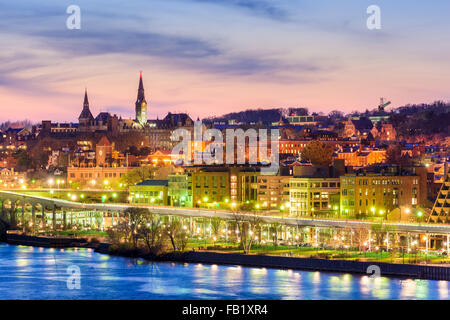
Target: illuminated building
(150, 192)
(313, 196)
(377, 195)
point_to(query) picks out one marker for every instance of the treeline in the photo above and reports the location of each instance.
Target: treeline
(16, 124)
(140, 231)
(257, 115)
(422, 119)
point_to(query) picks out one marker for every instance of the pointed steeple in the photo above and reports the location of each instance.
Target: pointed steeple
(85, 115)
(141, 94)
(86, 101)
(141, 104)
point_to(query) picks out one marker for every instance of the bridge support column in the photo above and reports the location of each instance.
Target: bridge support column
(316, 236)
(351, 239)
(54, 218)
(43, 217)
(448, 245)
(226, 231)
(3, 210)
(370, 239)
(33, 218)
(335, 238)
(210, 227)
(408, 242)
(387, 241)
(64, 220)
(12, 215)
(22, 218)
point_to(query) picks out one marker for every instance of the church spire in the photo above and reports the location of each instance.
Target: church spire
(86, 101)
(85, 117)
(141, 95)
(141, 104)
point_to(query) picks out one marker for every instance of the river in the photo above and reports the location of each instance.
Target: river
(40, 273)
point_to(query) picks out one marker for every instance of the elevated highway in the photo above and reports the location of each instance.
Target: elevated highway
(56, 204)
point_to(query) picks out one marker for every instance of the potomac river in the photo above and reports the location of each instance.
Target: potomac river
(41, 273)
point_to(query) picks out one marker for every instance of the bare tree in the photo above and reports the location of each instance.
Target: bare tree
(177, 235)
(151, 231)
(134, 218)
(247, 226)
(216, 223)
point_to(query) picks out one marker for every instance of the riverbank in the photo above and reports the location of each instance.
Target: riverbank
(309, 264)
(48, 242)
(262, 261)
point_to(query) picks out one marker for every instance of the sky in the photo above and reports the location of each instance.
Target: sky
(211, 57)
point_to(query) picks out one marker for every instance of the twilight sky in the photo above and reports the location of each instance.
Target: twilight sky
(210, 57)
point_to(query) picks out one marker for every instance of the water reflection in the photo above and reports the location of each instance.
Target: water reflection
(37, 273)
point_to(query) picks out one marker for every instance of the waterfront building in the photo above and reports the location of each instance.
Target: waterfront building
(311, 196)
(206, 185)
(150, 192)
(377, 194)
(210, 186)
(180, 190)
(273, 192)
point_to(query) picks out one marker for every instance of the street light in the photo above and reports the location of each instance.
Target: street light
(419, 216)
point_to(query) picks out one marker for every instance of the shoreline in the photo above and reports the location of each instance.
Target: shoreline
(426, 272)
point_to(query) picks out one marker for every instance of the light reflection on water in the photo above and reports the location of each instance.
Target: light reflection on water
(37, 273)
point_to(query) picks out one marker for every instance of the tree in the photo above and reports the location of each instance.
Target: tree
(24, 161)
(137, 175)
(336, 115)
(216, 223)
(318, 153)
(151, 231)
(247, 226)
(394, 155)
(177, 235)
(128, 139)
(129, 228)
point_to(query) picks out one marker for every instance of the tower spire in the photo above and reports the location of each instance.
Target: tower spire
(86, 101)
(141, 104)
(141, 95)
(85, 118)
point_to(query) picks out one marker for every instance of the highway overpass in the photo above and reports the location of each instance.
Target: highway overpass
(55, 204)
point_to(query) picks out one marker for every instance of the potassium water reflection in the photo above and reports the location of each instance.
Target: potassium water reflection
(37, 273)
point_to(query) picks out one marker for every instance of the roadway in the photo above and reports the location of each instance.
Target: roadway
(230, 215)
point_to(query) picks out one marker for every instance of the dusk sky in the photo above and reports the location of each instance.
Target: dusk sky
(210, 57)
